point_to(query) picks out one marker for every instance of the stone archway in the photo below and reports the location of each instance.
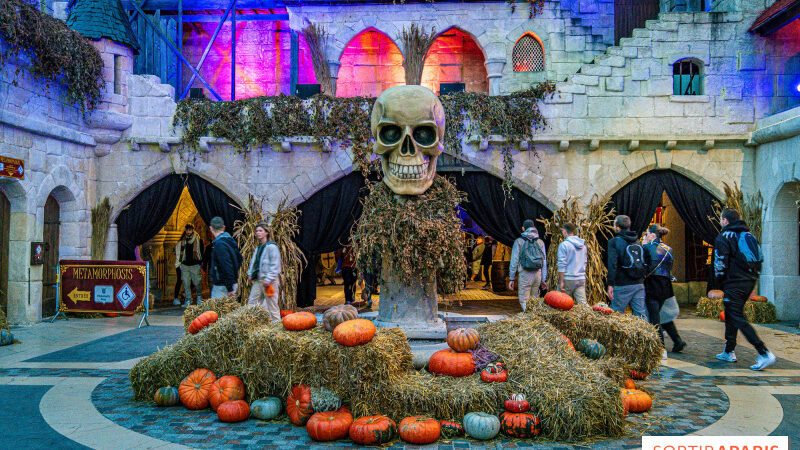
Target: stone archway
(780, 277)
(455, 57)
(370, 63)
(5, 222)
(16, 277)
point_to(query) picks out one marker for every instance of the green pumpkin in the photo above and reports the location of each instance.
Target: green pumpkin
(591, 348)
(6, 337)
(266, 408)
(166, 396)
(324, 400)
(480, 425)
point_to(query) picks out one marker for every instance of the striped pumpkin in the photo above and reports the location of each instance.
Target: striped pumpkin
(463, 339)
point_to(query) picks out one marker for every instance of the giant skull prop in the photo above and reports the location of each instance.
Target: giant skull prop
(408, 127)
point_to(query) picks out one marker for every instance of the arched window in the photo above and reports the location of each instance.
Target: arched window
(687, 77)
(528, 54)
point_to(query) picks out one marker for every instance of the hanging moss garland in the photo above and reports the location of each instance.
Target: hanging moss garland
(420, 237)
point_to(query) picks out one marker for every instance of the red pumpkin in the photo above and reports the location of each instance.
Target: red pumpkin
(463, 339)
(329, 425)
(202, 321)
(716, 294)
(517, 404)
(419, 430)
(354, 332)
(520, 425)
(602, 308)
(451, 429)
(757, 298)
(344, 409)
(559, 300)
(636, 401)
(110, 314)
(636, 375)
(722, 316)
(227, 388)
(195, 388)
(373, 430)
(448, 362)
(299, 321)
(568, 342)
(494, 373)
(298, 404)
(235, 411)
(286, 312)
(629, 384)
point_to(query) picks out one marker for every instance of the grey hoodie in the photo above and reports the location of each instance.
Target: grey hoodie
(572, 255)
(530, 233)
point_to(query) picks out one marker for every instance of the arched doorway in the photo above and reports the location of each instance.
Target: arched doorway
(370, 64)
(51, 237)
(5, 229)
(457, 60)
(780, 277)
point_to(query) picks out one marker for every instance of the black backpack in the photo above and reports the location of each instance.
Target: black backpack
(633, 261)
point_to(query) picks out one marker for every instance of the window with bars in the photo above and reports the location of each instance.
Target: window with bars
(687, 78)
(528, 55)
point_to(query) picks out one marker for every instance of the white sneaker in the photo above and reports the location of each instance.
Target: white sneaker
(727, 357)
(764, 361)
(176, 302)
(664, 355)
(185, 304)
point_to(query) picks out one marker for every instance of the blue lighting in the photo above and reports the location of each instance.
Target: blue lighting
(798, 87)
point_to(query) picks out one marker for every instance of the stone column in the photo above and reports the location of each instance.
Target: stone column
(112, 243)
(410, 305)
(494, 70)
(333, 68)
(24, 286)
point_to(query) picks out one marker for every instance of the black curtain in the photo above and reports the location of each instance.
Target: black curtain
(146, 214)
(211, 201)
(325, 222)
(694, 204)
(497, 215)
(639, 199)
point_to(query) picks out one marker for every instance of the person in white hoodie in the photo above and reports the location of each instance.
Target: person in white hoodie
(572, 255)
(265, 267)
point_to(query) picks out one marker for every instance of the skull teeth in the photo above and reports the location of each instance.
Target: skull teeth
(409, 172)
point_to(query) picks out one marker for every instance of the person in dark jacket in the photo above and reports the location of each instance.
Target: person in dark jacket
(658, 283)
(486, 260)
(225, 262)
(625, 279)
(736, 279)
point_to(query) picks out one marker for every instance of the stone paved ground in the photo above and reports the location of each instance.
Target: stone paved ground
(66, 386)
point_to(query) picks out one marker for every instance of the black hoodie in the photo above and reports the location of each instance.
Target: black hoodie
(729, 266)
(617, 276)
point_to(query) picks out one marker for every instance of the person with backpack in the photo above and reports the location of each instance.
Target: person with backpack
(572, 256)
(737, 263)
(658, 284)
(529, 259)
(265, 267)
(626, 269)
(223, 269)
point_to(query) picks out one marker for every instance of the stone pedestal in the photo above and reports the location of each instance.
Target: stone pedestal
(410, 305)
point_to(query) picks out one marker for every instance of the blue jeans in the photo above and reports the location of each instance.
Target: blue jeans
(633, 295)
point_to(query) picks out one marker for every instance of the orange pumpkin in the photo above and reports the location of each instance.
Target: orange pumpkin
(448, 362)
(354, 332)
(629, 384)
(419, 430)
(299, 321)
(568, 342)
(227, 388)
(716, 294)
(559, 300)
(636, 401)
(195, 388)
(235, 411)
(520, 425)
(329, 425)
(722, 316)
(757, 298)
(202, 321)
(373, 430)
(286, 312)
(636, 375)
(463, 339)
(298, 404)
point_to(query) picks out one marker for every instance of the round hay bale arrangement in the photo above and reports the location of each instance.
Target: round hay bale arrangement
(222, 306)
(754, 311)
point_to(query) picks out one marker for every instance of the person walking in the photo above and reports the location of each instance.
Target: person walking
(486, 260)
(188, 261)
(626, 269)
(737, 263)
(477, 254)
(528, 257)
(658, 283)
(264, 270)
(572, 256)
(349, 277)
(225, 262)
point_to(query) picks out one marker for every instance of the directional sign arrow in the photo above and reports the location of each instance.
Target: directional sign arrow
(79, 296)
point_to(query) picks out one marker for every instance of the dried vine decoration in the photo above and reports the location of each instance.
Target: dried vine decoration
(101, 221)
(593, 221)
(317, 39)
(750, 207)
(51, 51)
(515, 117)
(534, 7)
(415, 42)
(420, 237)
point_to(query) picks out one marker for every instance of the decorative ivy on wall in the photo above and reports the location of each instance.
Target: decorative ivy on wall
(50, 51)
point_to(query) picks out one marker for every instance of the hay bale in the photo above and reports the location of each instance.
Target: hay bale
(3, 321)
(755, 312)
(274, 359)
(625, 336)
(697, 289)
(217, 347)
(221, 306)
(681, 291)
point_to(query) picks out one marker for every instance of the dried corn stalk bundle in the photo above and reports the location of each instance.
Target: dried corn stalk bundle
(750, 207)
(101, 220)
(317, 39)
(284, 227)
(415, 42)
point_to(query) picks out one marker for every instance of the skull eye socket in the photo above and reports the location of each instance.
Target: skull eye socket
(425, 135)
(390, 134)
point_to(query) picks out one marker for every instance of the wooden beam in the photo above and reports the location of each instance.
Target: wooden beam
(179, 41)
(208, 49)
(239, 17)
(233, 51)
(294, 62)
(202, 5)
(779, 20)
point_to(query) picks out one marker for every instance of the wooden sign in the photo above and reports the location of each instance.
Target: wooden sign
(103, 287)
(12, 167)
